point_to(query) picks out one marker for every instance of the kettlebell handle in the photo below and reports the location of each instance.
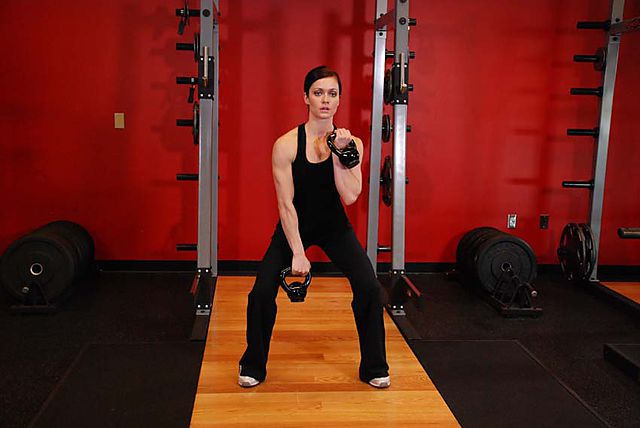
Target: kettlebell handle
(287, 271)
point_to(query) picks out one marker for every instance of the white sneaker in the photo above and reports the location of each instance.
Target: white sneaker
(247, 381)
(380, 382)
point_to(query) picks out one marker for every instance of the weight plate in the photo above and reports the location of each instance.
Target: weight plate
(590, 252)
(470, 251)
(196, 123)
(388, 87)
(385, 181)
(601, 64)
(80, 238)
(499, 253)
(386, 128)
(572, 252)
(196, 47)
(464, 242)
(43, 259)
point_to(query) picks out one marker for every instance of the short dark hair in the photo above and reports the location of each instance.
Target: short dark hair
(318, 73)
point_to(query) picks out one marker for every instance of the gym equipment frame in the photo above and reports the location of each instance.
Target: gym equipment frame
(206, 50)
(605, 60)
(391, 87)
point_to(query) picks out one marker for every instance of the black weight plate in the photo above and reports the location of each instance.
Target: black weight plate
(582, 252)
(56, 259)
(63, 232)
(590, 252)
(386, 178)
(470, 252)
(80, 238)
(601, 64)
(562, 251)
(571, 252)
(63, 238)
(501, 252)
(66, 245)
(466, 255)
(388, 87)
(81, 232)
(196, 47)
(464, 241)
(386, 128)
(195, 131)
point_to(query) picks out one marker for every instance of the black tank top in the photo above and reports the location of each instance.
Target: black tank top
(316, 198)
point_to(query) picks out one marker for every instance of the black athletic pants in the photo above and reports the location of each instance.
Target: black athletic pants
(347, 254)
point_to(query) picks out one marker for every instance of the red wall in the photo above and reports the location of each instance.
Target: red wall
(489, 115)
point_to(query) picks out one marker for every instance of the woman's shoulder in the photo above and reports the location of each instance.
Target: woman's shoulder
(289, 136)
(286, 145)
(289, 139)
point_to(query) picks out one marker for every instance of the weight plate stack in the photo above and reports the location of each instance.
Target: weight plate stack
(484, 252)
(51, 258)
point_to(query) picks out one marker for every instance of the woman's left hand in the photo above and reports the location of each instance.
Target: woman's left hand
(343, 138)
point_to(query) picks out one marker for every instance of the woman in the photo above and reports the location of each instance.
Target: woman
(310, 180)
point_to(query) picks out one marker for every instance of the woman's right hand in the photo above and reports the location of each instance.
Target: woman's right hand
(300, 265)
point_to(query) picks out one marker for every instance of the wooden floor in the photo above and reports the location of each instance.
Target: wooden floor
(312, 377)
(630, 290)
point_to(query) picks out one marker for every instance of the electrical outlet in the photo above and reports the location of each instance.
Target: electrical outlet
(544, 221)
(118, 119)
(511, 221)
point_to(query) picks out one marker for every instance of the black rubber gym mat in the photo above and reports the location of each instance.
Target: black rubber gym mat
(498, 383)
(625, 356)
(126, 385)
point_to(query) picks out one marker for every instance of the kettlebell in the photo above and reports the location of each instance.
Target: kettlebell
(347, 156)
(297, 290)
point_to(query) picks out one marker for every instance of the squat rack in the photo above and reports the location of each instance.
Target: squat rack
(605, 60)
(205, 131)
(391, 87)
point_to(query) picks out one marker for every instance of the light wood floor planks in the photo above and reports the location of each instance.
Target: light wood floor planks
(312, 374)
(630, 290)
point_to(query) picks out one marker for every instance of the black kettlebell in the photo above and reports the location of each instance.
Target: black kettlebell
(297, 290)
(347, 156)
